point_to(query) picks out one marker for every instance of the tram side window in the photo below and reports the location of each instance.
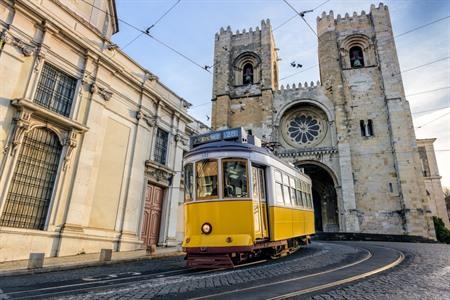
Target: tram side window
(278, 188)
(188, 182)
(207, 179)
(235, 180)
(298, 192)
(293, 194)
(308, 190)
(305, 195)
(286, 192)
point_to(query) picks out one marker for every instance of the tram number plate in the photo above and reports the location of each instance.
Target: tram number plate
(204, 155)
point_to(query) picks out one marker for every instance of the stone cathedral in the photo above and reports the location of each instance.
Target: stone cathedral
(352, 132)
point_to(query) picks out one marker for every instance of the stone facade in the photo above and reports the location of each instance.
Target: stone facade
(58, 54)
(352, 132)
(432, 178)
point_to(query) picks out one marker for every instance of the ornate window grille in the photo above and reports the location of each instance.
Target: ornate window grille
(55, 90)
(32, 184)
(162, 139)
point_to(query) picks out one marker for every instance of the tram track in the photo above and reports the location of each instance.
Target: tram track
(374, 259)
(105, 281)
(373, 263)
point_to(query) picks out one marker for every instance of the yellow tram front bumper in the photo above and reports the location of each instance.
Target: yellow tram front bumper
(231, 224)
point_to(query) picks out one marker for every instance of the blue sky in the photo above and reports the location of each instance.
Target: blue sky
(191, 25)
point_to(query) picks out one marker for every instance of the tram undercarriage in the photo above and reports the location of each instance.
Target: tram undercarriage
(230, 257)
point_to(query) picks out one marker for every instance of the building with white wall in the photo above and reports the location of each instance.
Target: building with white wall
(92, 142)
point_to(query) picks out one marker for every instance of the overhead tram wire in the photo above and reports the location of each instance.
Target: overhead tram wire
(302, 71)
(423, 65)
(430, 110)
(418, 93)
(301, 15)
(151, 26)
(435, 119)
(294, 16)
(152, 37)
(428, 91)
(396, 36)
(284, 23)
(422, 26)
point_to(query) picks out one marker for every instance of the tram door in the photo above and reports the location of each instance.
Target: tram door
(259, 203)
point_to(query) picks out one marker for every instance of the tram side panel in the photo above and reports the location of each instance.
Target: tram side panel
(231, 221)
(287, 221)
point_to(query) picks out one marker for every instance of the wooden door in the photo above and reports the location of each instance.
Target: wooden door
(152, 215)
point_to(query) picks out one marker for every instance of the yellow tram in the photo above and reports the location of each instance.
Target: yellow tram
(241, 201)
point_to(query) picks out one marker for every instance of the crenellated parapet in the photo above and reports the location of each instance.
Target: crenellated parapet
(299, 87)
(327, 21)
(244, 33)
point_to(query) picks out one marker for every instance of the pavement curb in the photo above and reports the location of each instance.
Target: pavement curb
(84, 265)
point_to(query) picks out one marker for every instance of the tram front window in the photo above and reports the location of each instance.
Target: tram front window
(188, 182)
(235, 178)
(207, 179)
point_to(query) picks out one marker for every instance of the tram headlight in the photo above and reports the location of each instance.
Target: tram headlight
(206, 228)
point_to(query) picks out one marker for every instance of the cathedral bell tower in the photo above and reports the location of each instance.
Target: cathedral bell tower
(245, 75)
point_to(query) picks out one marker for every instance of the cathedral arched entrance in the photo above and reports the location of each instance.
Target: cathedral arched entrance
(324, 196)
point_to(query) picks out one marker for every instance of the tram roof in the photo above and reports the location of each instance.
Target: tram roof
(229, 146)
(224, 146)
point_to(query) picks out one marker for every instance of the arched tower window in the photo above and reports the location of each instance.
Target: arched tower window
(31, 189)
(356, 57)
(247, 74)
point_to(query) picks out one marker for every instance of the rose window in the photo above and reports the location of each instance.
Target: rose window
(304, 129)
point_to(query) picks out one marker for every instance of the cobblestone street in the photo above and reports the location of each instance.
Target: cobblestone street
(424, 274)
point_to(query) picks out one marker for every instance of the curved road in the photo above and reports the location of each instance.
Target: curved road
(322, 270)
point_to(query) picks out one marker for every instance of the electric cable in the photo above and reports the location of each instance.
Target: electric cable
(294, 16)
(435, 119)
(151, 26)
(152, 37)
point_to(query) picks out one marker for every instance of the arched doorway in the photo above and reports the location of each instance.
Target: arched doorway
(324, 197)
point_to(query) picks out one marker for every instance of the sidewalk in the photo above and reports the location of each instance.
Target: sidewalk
(19, 267)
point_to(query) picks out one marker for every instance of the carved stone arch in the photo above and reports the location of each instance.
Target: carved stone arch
(325, 194)
(238, 65)
(66, 138)
(60, 134)
(324, 166)
(357, 40)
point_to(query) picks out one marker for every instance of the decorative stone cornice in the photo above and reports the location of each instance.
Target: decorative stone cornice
(25, 48)
(22, 125)
(306, 152)
(151, 121)
(71, 143)
(105, 93)
(186, 104)
(178, 137)
(52, 117)
(158, 173)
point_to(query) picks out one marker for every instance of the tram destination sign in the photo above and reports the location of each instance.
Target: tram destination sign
(234, 134)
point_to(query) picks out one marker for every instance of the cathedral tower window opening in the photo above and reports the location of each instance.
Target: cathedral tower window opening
(55, 90)
(247, 68)
(356, 57)
(162, 139)
(30, 193)
(247, 74)
(366, 128)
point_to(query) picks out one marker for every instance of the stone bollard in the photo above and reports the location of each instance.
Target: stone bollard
(151, 249)
(36, 260)
(105, 255)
